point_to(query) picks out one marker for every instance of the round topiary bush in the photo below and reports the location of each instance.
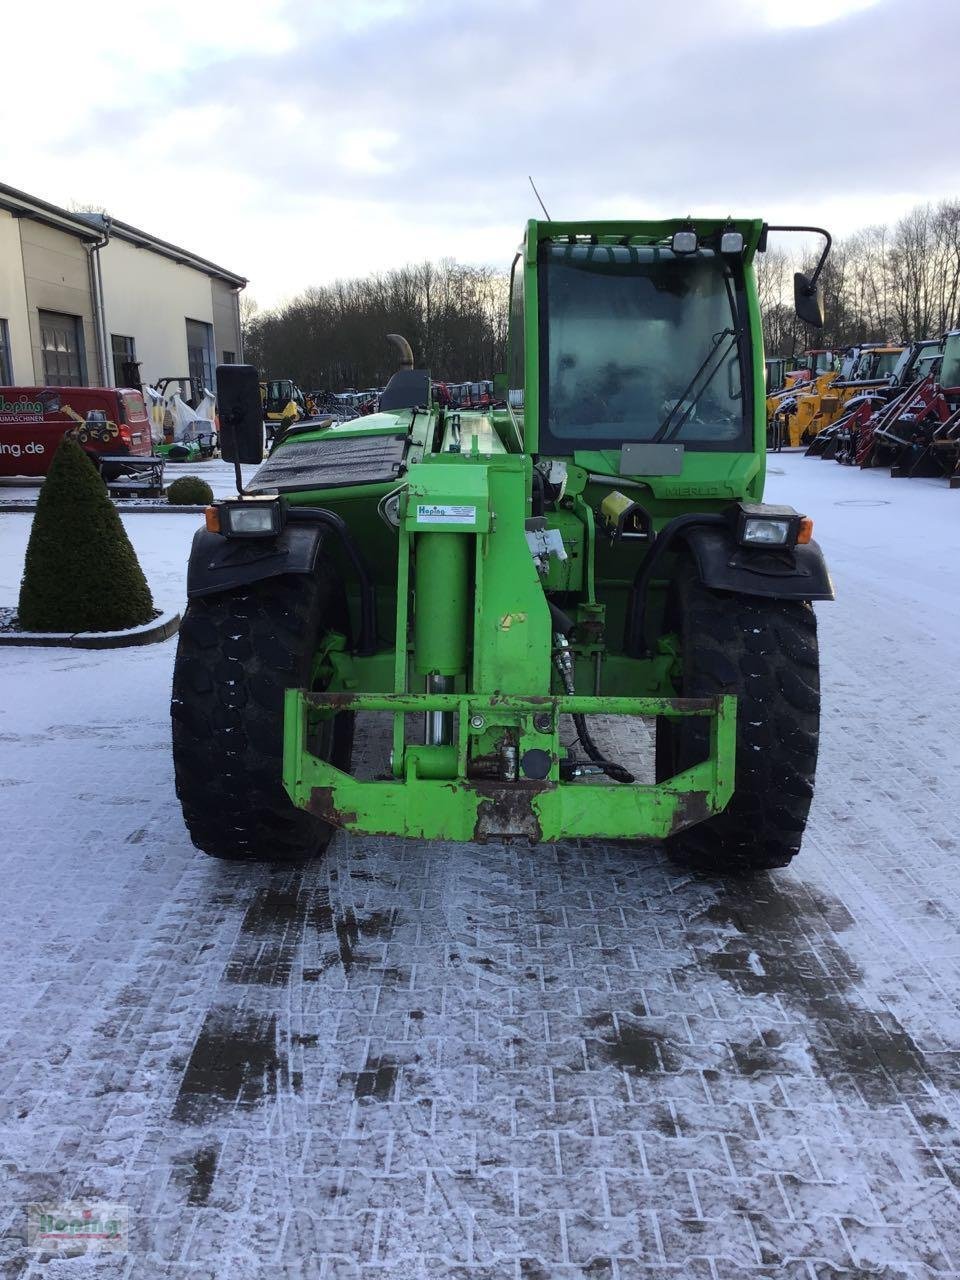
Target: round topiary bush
(190, 491)
(80, 573)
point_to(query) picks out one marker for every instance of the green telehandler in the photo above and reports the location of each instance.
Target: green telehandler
(486, 585)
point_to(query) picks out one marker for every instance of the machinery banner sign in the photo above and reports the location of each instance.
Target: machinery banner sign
(21, 409)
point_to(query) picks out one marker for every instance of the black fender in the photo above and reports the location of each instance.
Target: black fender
(797, 573)
(222, 564)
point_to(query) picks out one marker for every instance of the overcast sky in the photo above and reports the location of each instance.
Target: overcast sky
(294, 141)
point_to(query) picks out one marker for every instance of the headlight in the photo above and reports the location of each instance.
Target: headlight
(246, 518)
(684, 242)
(770, 533)
(763, 524)
(731, 242)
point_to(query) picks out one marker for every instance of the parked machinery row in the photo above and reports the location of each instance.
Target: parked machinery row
(911, 424)
(798, 413)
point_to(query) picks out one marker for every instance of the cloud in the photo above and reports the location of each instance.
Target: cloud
(296, 141)
(813, 13)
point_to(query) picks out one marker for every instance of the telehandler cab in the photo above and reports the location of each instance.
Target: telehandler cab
(491, 583)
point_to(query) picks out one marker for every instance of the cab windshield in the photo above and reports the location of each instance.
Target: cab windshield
(927, 363)
(886, 363)
(279, 392)
(903, 364)
(950, 369)
(639, 344)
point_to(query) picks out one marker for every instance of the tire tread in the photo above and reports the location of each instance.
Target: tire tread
(769, 660)
(238, 653)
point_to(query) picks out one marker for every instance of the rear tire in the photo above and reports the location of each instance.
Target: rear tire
(764, 651)
(237, 654)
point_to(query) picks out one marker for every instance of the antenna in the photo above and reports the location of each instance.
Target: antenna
(537, 194)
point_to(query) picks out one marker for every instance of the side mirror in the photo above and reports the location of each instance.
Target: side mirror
(240, 412)
(807, 301)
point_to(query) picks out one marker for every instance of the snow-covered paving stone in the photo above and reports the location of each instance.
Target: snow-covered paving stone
(443, 1060)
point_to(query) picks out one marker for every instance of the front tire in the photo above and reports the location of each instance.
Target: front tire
(237, 654)
(764, 651)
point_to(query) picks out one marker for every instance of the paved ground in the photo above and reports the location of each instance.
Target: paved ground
(498, 1062)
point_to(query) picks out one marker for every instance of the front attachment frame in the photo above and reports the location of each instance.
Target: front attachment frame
(434, 799)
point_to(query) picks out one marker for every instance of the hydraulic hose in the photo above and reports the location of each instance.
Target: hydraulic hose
(634, 642)
(562, 622)
(537, 495)
(564, 664)
(609, 767)
(367, 644)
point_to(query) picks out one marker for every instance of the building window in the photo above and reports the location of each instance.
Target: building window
(124, 353)
(200, 357)
(229, 357)
(6, 363)
(61, 342)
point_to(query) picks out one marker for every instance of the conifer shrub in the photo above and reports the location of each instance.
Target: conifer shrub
(189, 491)
(80, 572)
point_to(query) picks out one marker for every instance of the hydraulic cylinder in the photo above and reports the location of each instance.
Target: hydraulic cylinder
(441, 611)
(441, 603)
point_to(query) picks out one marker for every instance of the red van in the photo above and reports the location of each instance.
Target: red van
(110, 421)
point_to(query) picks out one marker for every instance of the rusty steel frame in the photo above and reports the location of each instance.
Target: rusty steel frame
(436, 800)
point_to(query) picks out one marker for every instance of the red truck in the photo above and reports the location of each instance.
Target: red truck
(108, 422)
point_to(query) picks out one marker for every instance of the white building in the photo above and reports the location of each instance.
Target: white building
(85, 300)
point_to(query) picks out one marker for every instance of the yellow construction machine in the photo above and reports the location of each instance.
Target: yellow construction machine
(817, 366)
(864, 368)
(283, 404)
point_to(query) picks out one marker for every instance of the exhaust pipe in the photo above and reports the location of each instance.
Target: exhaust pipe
(405, 349)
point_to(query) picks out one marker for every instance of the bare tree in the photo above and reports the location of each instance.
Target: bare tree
(879, 284)
(332, 336)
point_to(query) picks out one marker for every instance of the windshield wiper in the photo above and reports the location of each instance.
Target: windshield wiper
(667, 428)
